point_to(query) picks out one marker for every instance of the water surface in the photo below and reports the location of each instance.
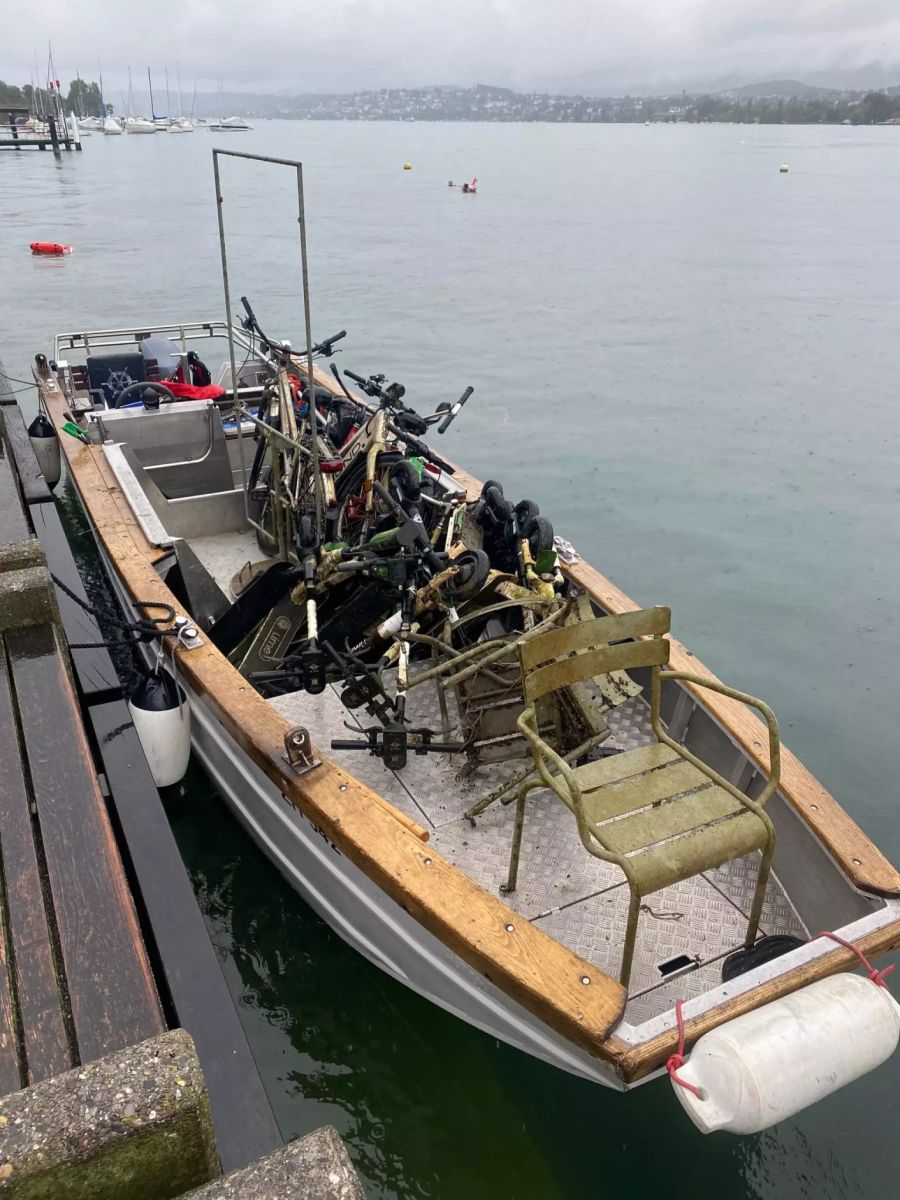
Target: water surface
(690, 360)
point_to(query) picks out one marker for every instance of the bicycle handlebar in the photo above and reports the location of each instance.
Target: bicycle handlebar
(445, 424)
(420, 447)
(326, 347)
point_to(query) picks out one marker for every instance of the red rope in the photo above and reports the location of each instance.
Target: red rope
(676, 1060)
(877, 977)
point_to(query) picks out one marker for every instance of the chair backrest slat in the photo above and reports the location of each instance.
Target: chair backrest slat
(588, 648)
(599, 631)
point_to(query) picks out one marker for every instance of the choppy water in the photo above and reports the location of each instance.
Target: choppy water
(691, 361)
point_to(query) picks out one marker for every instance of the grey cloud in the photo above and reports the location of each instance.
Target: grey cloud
(308, 45)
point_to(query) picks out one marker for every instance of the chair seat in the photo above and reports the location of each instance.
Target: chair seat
(665, 815)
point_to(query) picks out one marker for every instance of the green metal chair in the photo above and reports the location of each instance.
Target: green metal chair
(658, 812)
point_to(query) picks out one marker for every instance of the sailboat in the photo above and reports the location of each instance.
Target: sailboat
(136, 124)
(180, 124)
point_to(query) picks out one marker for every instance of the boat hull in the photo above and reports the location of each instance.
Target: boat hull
(355, 908)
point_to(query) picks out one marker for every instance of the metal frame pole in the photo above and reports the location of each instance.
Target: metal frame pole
(310, 377)
(231, 355)
(318, 487)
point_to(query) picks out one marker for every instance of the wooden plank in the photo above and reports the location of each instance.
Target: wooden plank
(31, 477)
(111, 988)
(97, 678)
(39, 991)
(534, 969)
(11, 1078)
(244, 1123)
(13, 526)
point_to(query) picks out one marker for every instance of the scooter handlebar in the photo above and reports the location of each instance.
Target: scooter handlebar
(451, 415)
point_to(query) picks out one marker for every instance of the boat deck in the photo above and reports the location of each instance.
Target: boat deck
(577, 899)
(580, 901)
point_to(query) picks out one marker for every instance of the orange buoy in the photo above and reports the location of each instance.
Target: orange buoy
(50, 248)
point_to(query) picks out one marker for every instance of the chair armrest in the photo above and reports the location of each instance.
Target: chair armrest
(714, 685)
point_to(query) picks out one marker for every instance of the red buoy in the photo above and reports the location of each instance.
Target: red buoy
(50, 248)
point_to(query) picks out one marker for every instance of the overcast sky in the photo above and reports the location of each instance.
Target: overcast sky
(343, 45)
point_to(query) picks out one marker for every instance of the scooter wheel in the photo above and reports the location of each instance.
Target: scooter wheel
(539, 533)
(474, 566)
(526, 511)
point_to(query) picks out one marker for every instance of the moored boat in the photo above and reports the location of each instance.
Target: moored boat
(229, 125)
(706, 902)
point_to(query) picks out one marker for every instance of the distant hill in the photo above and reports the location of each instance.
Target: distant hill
(779, 89)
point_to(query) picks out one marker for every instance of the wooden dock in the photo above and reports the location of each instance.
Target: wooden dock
(13, 136)
(102, 943)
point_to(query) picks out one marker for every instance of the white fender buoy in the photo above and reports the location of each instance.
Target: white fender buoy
(769, 1064)
(162, 719)
(45, 445)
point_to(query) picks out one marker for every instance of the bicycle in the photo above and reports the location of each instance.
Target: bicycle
(371, 452)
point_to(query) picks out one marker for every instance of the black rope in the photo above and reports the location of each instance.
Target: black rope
(12, 379)
(132, 631)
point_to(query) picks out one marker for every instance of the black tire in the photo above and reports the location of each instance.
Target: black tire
(405, 482)
(526, 511)
(266, 541)
(349, 528)
(306, 532)
(539, 533)
(474, 568)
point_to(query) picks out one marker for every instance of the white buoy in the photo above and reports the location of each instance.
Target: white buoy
(45, 444)
(162, 719)
(769, 1064)
(783, 169)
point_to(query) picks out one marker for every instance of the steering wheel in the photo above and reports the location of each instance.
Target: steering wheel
(138, 391)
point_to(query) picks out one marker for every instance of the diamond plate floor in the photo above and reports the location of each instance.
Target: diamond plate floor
(577, 899)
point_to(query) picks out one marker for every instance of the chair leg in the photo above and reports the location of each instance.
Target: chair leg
(521, 800)
(634, 912)
(759, 895)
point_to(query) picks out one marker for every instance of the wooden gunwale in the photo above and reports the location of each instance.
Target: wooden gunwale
(531, 967)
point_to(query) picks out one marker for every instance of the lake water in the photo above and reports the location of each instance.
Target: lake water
(690, 360)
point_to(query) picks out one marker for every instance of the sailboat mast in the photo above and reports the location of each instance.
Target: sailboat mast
(168, 101)
(150, 85)
(102, 113)
(178, 77)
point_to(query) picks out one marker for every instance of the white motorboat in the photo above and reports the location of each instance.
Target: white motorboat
(229, 125)
(111, 127)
